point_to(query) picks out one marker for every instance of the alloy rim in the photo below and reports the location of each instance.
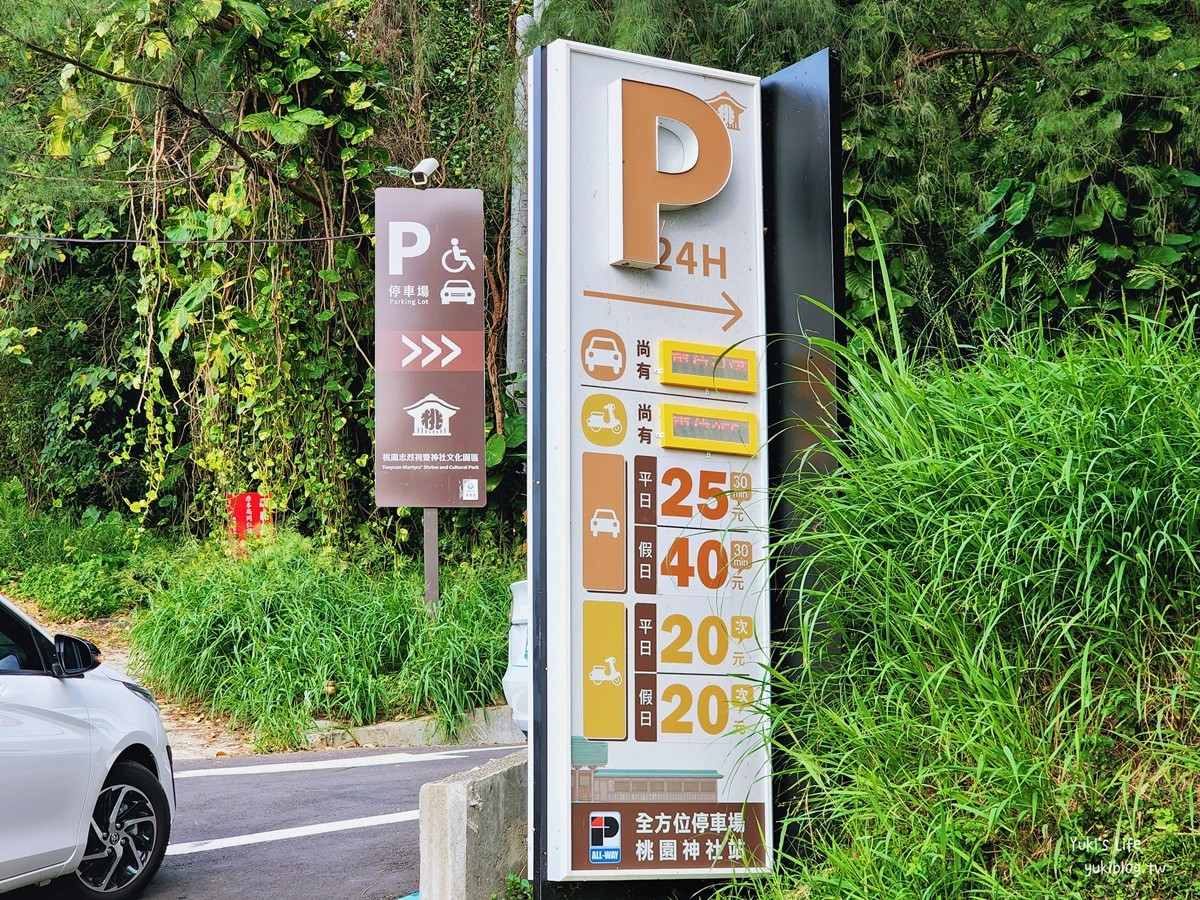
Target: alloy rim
(120, 841)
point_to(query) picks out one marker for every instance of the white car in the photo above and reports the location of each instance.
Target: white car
(605, 520)
(458, 290)
(86, 779)
(604, 352)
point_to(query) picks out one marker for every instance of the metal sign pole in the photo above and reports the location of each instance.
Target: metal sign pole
(432, 588)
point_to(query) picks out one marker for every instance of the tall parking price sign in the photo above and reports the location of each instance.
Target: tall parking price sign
(429, 385)
(648, 488)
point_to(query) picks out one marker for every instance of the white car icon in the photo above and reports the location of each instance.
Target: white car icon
(605, 520)
(458, 290)
(603, 351)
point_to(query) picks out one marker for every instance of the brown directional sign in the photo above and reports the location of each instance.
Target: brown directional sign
(429, 387)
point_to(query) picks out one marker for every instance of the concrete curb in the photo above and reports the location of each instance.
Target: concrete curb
(493, 725)
(473, 831)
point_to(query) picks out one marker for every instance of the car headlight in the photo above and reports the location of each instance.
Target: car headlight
(141, 692)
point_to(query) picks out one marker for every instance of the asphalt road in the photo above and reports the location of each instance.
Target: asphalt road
(339, 825)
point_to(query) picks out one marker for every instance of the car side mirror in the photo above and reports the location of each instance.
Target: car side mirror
(73, 656)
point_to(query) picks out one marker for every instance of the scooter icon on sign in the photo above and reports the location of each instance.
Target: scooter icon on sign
(605, 419)
(601, 674)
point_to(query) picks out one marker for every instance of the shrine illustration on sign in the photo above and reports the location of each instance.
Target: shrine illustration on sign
(660, 748)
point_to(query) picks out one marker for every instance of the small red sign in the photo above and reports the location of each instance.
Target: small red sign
(247, 512)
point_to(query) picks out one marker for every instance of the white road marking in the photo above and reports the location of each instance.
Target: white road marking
(283, 834)
(354, 762)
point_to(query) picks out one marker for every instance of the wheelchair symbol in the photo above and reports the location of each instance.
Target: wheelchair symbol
(456, 255)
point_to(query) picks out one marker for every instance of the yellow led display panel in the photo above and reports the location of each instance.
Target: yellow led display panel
(708, 429)
(686, 364)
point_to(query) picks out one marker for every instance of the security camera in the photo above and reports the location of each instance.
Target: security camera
(423, 171)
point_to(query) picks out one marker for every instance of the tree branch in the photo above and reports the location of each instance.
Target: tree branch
(928, 59)
(172, 95)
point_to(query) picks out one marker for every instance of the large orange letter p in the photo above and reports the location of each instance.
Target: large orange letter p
(639, 185)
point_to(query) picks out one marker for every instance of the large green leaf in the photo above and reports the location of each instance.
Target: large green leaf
(1159, 256)
(287, 131)
(301, 70)
(308, 117)
(254, 18)
(259, 121)
(494, 450)
(859, 284)
(1156, 31)
(1057, 226)
(515, 430)
(1089, 219)
(1112, 201)
(998, 193)
(1018, 209)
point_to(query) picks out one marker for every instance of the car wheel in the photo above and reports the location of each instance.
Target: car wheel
(127, 836)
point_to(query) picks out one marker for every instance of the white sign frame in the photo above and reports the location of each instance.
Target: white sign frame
(562, 418)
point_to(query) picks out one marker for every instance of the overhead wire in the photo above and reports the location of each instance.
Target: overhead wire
(80, 240)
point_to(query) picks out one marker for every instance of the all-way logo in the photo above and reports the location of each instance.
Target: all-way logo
(604, 837)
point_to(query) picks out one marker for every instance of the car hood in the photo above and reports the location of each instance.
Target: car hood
(103, 671)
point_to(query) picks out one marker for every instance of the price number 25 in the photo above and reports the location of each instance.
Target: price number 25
(714, 492)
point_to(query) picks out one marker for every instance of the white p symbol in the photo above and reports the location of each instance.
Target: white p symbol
(399, 250)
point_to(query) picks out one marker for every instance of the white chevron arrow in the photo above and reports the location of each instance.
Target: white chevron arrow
(455, 350)
(415, 348)
(434, 351)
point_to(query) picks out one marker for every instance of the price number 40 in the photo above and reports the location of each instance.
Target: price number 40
(710, 564)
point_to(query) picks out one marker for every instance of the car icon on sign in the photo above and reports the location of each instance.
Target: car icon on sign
(458, 290)
(605, 520)
(603, 351)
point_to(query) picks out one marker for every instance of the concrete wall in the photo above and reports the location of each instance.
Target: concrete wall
(473, 830)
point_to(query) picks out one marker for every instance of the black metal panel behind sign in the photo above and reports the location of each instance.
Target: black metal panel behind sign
(802, 201)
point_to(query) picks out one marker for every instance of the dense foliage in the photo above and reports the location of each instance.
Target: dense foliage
(231, 150)
(1006, 555)
(76, 565)
(289, 632)
(1024, 162)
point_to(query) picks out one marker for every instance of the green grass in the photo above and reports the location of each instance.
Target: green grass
(283, 634)
(290, 632)
(1000, 655)
(460, 654)
(76, 566)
